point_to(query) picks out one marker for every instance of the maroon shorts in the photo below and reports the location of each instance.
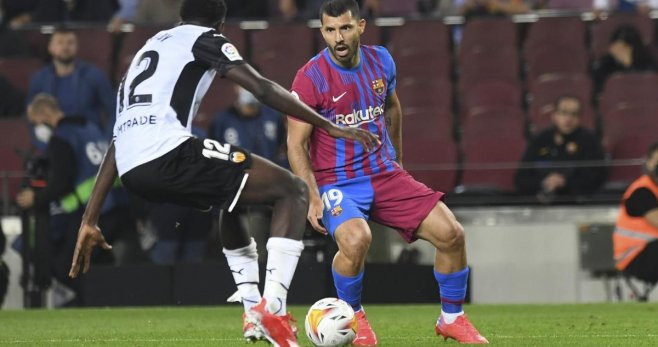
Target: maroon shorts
(394, 199)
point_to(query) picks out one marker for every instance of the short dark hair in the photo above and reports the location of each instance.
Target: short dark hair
(207, 12)
(572, 97)
(335, 8)
(62, 30)
(652, 149)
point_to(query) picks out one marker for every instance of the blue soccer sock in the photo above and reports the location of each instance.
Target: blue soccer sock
(349, 288)
(453, 289)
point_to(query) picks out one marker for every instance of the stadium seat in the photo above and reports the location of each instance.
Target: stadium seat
(567, 59)
(602, 30)
(37, 42)
(488, 34)
(421, 56)
(628, 89)
(546, 89)
(280, 59)
(549, 32)
(492, 143)
(629, 130)
(480, 65)
(491, 93)
(14, 137)
(96, 45)
(578, 5)
(504, 119)
(422, 92)
(19, 71)
(430, 154)
(397, 7)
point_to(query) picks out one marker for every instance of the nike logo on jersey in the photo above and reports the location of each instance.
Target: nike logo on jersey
(336, 98)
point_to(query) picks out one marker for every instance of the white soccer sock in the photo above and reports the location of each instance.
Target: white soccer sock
(282, 257)
(243, 263)
(450, 318)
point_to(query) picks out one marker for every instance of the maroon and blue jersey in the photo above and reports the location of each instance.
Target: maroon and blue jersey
(348, 97)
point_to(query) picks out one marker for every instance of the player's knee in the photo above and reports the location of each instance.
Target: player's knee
(355, 244)
(299, 189)
(452, 235)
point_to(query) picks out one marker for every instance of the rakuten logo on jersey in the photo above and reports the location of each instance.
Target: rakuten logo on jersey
(358, 117)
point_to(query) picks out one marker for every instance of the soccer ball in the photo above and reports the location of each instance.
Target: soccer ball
(331, 322)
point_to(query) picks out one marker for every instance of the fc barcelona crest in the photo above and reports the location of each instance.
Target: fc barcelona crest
(378, 86)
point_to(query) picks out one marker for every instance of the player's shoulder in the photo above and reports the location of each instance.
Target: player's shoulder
(312, 63)
(380, 52)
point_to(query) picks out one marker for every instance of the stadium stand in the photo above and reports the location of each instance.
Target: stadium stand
(568, 31)
(280, 59)
(430, 153)
(628, 89)
(425, 92)
(492, 141)
(558, 58)
(421, 56)
(14, 138)
(103, 47)
(19, 71)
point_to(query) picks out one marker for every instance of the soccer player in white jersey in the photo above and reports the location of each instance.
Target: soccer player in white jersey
(157, 157)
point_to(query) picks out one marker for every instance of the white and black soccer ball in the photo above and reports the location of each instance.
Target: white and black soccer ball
(330, 322)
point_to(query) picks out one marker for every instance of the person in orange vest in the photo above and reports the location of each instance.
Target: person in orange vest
(635, 238)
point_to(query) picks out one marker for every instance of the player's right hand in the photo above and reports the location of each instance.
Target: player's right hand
(314, 216)
(367, 139)
(88, 238)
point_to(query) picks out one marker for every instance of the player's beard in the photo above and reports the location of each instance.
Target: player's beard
(347, 59)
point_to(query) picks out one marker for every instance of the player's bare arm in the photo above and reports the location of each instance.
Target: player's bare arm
(89, 235)
(393, 116)
(300, 162)
(275, 96)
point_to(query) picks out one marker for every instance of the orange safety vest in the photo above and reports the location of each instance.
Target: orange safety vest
(632, 234)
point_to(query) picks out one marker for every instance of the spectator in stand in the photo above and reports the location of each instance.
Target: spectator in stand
(19, 13)
(639, 6)
(146, 12)
(473, 8)
(261, 130)
(79, 87)
(547, 160)
(12, 102)
(626, 53)
(635, 238)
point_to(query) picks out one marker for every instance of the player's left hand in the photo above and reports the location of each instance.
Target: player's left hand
(367, 139)
(314, 216)
(88, 238)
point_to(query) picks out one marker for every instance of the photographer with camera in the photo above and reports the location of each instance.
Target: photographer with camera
(75, 150)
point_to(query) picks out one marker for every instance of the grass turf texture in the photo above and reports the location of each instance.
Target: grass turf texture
(627, 324)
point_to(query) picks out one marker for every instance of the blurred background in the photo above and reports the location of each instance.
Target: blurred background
(534, 117)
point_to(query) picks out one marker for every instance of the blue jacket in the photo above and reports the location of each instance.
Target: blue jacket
(262, 135)
(86, 92)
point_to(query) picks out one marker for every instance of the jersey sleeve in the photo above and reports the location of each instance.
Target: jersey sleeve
(216, 51)
(390, 70)
(304, 90)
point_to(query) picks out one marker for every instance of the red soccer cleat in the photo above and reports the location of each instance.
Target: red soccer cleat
(365, 336)
(461, 330)
(276, 329)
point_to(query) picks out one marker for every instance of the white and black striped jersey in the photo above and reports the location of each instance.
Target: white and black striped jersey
(162, 89)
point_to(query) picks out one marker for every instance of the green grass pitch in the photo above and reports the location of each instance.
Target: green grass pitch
(626, 324)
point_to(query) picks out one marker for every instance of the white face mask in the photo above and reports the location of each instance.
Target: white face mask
(43, 132)
(246, 98)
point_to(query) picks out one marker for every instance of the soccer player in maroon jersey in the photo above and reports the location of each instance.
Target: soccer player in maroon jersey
(353, 85)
